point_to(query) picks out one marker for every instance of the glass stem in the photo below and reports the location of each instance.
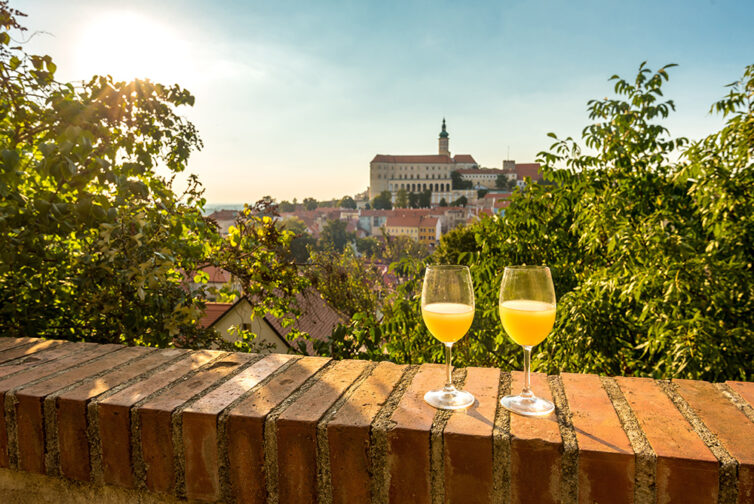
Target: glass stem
(448, 368)
(526, 392)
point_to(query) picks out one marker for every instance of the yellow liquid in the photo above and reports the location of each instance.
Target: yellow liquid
(448, 322)
(527, 322)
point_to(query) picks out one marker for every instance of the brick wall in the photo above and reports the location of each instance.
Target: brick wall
(98, 421)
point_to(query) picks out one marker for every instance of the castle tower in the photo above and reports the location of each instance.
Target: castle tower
(444, 149)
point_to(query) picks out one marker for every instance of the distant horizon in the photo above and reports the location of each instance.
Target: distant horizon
(295, 98)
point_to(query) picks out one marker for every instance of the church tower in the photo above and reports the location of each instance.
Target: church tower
(444, 149)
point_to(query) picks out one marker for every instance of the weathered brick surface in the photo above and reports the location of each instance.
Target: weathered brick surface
(25, 363)
(29, 413)
(71, 411)
(155, 417)
(535, 448)
(734, 431)
(6, 342)
(744, 389)
(686, 469)
(467, 441)
(408, 440)
(201, 421)
(606, 459)
(348, 434)
(114, 414)
(27, 349)
(245, 429)
(200, 439)
(8, 383)
(297, 432)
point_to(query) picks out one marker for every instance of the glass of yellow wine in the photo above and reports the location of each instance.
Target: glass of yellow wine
(448, 310)
(527, 310)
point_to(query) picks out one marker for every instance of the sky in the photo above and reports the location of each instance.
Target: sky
(294, 99)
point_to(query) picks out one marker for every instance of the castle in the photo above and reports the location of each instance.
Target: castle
(417, 173)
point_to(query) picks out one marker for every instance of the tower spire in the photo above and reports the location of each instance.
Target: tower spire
(443, 140)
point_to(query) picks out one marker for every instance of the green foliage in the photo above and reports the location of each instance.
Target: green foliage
(310, 203)
(649, 238)
(383, 201)
(401, 199)
(334, 235)
(458, 182)
(368, 246)
(481, 193)
(347, 202)
(95, 244)
(286, 206)
(462, 202)
(443, 202)
(503, 182)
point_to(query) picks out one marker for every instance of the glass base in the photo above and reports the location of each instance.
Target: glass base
(528, 406)
(449, 399)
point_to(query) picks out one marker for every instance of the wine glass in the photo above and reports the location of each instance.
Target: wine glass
(527, 310)
(448, 310)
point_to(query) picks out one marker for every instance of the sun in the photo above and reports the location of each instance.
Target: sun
(130, 45)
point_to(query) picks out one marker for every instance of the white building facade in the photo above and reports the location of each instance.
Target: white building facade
(417, 173)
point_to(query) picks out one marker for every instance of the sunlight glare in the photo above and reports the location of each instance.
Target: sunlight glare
(129, 45)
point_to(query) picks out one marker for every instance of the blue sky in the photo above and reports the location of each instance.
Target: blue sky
(295, 98)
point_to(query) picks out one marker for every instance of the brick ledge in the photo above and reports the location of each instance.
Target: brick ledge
(215, 426)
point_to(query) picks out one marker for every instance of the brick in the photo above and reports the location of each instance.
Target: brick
(348, 434)
(535, 448)
(6, 343)
(199, 424)
(734, 431)
(687, 471)
(27, 349)
(467, 441)
(408, 440)
(744, 389)
(245, 428)
(71, 411)
(155, 418)
(85, 352)
(35, 359)
(114, 413)
(606, 459)
(297, 431)
(29, 412)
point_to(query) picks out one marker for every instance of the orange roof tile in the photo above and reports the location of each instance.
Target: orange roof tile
(213, 312)
(424, 159)
(528, 170)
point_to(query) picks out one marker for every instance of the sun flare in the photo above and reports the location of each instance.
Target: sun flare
(129, 45)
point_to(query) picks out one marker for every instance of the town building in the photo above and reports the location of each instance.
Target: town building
(417, 173)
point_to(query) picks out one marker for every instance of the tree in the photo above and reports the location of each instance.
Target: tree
(413, 200)
(96, 244)
(310, 204)
(368, 246)
(287, 206)
(649, 239)
(443, 202)
(401, 199)
(504, 182)
(481, 193)
(302, 241)
(424, 199)
(458, 182)
(347, 202)
(462, 201)
(383, 201)
(334, 235)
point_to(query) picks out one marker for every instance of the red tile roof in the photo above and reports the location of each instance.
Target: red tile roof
(318, 319)
(480, 171)
(403, 221)
(217, 275)
(213, 312)
(223, 215)
(429, 222)
(528, 170)
(424, 159)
